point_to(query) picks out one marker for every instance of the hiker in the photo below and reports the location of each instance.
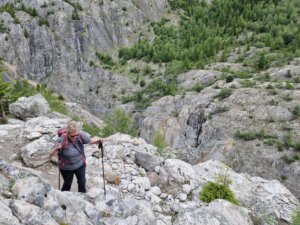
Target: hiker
(70, 150)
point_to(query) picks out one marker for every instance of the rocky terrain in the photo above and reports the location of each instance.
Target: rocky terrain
(142, 188)
(240, 111)
(204, 125)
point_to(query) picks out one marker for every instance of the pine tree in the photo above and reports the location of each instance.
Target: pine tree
(5, 98)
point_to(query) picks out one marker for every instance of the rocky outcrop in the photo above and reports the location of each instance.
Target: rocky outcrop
(30, 107)
(205, 125)
(76, 111)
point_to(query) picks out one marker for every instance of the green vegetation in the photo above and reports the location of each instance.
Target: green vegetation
(75, 16)
(296, 218)
(3, 29)
(54, 101)
(74, 5)
(206, 29)
(105, 58)
(296, 112)
(43, 21)
(224, 93)
(249, 135)
(93, 131)
(9, 8)
(159, 140)
(153, 91)
(120, 122)
(30, 11)
(5, 99)
(218, 190)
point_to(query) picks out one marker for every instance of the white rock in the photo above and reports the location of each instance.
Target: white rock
(182, 197)
(142, 182)
(33, 135)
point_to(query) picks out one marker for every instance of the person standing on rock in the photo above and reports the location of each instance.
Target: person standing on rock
(70, 149)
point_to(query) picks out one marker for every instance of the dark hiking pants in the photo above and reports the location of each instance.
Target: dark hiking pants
(68, 179)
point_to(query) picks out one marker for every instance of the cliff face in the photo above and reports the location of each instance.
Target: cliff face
(55, 42)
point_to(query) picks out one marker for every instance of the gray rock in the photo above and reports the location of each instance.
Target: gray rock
(198, 77)
(31, 214)
(30, 189)
(33, 135)
(7, 218)
(75, 110)
(217, 212)
(182, 197)
(142, 182)
(148, 161)
(30, 107)
(37, 152)
(177, 170)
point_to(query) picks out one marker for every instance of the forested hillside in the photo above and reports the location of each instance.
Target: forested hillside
(210, 32)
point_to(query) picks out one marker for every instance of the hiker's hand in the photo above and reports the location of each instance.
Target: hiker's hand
(58, 146)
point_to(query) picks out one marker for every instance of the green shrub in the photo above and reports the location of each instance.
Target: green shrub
(247, 136)
(229, 79)
(197, 87)
(142, 83)
(147, 70)
(296, 111)
(212, 191)
(43, 21)
(75, 16)
(93, 131)
(297, 146)
(105, 58)
(287, 140)
(55, 102)
(159, 140)
(120, 122)
(224, 93)
(296, 218)
(287, 159)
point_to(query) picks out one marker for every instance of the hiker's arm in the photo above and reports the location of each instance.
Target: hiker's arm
(54, 150)
(95, 141)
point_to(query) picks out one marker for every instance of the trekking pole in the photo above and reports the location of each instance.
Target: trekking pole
(58, 178)
(100, 146)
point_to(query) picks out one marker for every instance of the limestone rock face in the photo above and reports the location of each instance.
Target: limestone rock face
(58, 46)
(30, 107)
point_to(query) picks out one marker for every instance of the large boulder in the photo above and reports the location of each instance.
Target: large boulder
(178, 171)
(148, 161)
(30, 107)
(36, 153)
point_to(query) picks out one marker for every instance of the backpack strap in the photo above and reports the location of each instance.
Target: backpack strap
(78, 143)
